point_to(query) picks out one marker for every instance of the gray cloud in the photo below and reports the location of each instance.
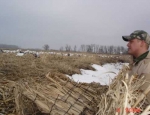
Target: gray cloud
(33, 23)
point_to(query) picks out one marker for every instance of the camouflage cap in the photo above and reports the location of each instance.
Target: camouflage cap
(138, 34)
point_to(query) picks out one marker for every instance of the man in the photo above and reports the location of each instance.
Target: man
(138, 45)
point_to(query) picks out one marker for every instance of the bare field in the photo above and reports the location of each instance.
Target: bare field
(14, 67)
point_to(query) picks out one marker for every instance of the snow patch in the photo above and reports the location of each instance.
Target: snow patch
(103, 74)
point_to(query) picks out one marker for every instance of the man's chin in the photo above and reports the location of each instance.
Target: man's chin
(129, 52)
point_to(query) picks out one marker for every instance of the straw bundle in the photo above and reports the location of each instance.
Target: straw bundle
(124, 97)
(54, 94)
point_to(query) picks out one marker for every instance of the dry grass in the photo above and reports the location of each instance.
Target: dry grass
(14, 68)
(54, 94)
(23, 78)
(115, 59)
(124, 96)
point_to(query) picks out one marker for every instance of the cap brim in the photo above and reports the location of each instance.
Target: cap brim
(126, 38)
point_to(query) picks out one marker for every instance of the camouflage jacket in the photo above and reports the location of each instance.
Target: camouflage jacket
(141, 67)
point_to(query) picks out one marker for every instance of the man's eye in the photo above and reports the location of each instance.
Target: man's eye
(131, 41)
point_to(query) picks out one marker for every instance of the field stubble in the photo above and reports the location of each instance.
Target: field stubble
(28, 71)
(14, 67)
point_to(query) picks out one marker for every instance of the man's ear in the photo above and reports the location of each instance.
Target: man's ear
(143, 43)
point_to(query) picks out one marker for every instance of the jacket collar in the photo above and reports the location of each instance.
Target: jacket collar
(141, 57)
(148, 56)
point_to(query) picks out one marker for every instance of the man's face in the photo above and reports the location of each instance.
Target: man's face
(134, 46)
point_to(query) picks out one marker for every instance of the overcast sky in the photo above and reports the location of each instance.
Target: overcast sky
(33, 23)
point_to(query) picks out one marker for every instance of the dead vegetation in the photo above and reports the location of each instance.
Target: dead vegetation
(124, 96)
(53, 94)
(13, 67)
(38, 86)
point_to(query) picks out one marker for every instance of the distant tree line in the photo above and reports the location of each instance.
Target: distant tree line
(4, 46)
(93, 48)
